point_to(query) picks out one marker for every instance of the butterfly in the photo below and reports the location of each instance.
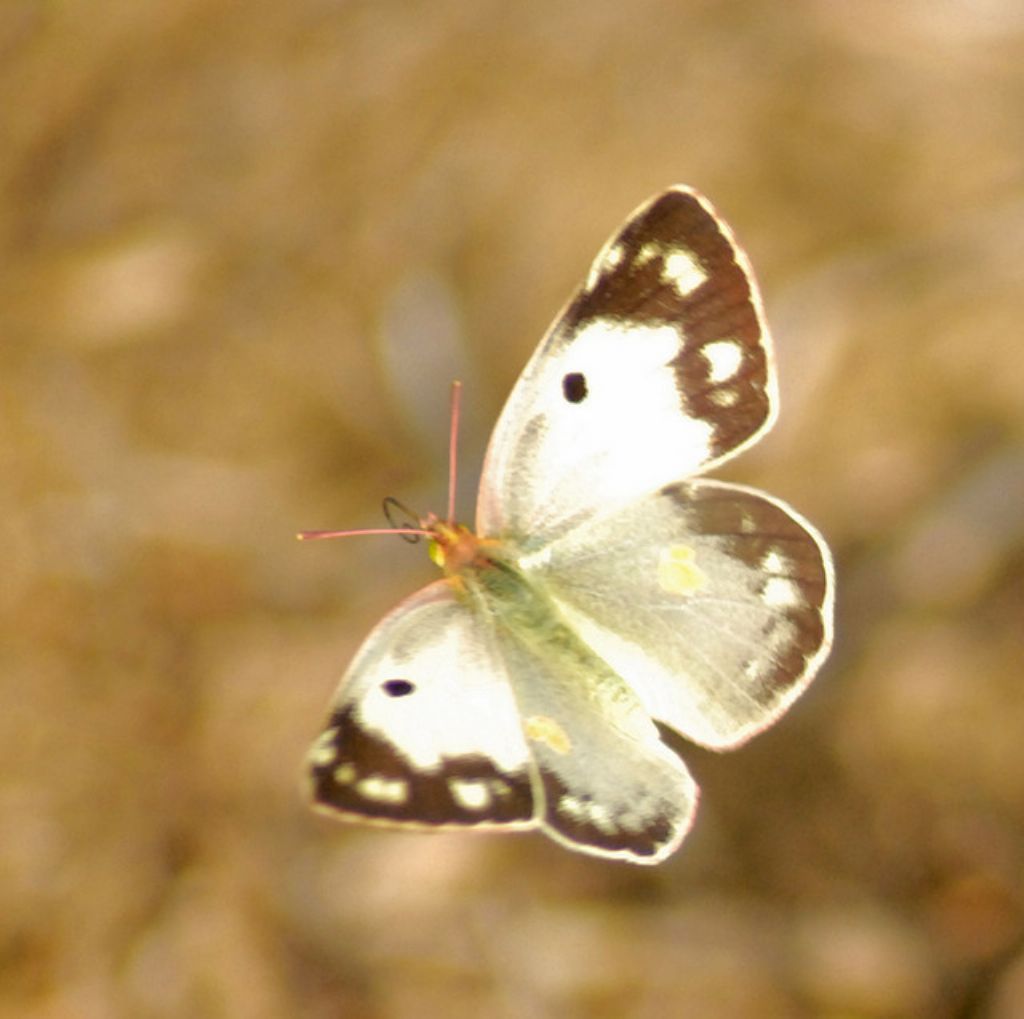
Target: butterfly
(608, 587)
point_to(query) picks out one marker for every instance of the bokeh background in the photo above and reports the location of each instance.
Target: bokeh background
(243, 250)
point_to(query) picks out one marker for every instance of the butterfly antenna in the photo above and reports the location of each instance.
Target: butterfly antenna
(419, 532)
(453, 449)
(411, 529)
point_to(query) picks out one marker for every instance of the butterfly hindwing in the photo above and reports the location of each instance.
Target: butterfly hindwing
(606, 784)
(424, 729)
(658, 368)
(721, 608)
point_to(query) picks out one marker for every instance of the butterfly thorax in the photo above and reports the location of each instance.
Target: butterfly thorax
(488, 572)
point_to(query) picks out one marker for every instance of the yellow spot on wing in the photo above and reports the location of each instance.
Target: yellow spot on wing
(542, 729)
(678, 572)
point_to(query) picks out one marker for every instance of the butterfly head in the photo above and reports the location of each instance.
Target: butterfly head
(453, 547)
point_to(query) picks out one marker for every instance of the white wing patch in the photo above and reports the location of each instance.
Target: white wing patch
(585, 812)
(644, 385)
(473, 794)
(578, 458)
(680, 266)
(344, 774)
(381, 789)
(780, 593)
(442, 719)
(322, 752)
(725, 358)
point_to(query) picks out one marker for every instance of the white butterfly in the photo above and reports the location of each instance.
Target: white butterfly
(607, 586)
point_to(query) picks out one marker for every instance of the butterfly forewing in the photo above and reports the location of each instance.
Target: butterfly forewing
(425, 729)
(658, 368)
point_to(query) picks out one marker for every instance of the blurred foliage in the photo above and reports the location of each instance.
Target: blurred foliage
(245, 247)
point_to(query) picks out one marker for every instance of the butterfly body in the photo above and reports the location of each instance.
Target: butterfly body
(607, 585)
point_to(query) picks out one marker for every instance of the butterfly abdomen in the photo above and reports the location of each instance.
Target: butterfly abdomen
(528, 621)
(506, 595)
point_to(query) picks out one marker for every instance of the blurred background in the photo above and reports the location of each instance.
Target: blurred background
(243, 251)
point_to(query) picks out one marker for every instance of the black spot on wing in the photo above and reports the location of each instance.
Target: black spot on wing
(574, 387)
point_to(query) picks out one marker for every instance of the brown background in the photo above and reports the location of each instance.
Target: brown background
(244, 248)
